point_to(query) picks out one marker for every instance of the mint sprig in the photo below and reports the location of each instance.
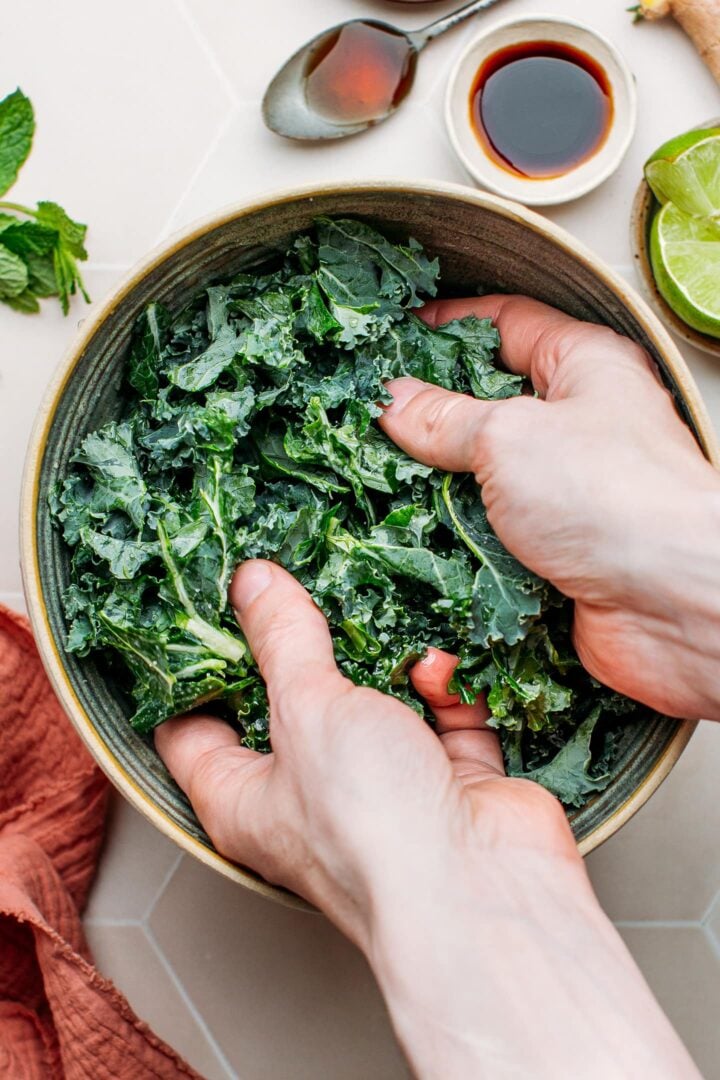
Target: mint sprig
(39, 247)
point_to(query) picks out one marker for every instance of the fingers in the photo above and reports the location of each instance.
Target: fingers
(221, 778)
(430, 677)
(473, 750)
(543, 343)
(435, 426)
(475, 755)
(286, 631)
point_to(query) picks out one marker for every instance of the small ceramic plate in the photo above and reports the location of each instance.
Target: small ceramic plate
(640, 220)
(585, 176)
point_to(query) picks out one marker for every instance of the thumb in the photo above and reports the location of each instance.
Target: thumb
(436, 426)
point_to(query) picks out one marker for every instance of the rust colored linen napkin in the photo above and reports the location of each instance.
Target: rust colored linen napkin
(59, 1018)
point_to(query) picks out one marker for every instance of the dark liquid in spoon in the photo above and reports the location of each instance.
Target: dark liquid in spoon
(359, 73)
(541, 108)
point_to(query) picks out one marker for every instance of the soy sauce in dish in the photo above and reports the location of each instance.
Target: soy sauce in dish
(359, 72)
(540, 108)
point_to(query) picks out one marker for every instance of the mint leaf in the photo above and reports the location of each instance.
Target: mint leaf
(69, 248)
(41, 274)
(17, 125)
(72, 233)
(27, 302)
(28, 238)
(13, 274)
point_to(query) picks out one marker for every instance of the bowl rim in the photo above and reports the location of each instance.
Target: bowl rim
(532, 190)
(29, 499)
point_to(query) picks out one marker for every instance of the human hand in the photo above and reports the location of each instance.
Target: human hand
(357, 785)
(596, 485)
(463, 887)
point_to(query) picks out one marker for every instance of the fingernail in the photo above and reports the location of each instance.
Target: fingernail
(404, 390)
(250, 580)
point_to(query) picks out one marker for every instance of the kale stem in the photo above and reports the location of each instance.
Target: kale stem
(217, 640)
(18, 208)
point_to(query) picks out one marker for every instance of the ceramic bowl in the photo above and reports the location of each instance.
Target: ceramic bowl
(584, 177)
(482, 242)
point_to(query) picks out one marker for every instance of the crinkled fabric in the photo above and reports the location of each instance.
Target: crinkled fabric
(59, 1018)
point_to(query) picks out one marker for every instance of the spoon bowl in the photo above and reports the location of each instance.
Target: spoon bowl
(350, 77)
(289, 107)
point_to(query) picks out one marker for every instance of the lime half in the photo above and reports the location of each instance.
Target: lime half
(686, 171)
(685, 258)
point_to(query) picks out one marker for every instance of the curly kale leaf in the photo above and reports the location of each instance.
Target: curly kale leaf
(249, 430)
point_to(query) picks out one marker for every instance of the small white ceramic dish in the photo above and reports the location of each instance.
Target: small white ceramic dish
(589, 173)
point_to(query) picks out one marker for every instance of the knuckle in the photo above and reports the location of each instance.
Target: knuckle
(503, 423)
(544, 808)
(439, 408)
(209, 770)
(315, 693)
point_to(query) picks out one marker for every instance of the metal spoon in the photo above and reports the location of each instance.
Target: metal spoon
(288, 108)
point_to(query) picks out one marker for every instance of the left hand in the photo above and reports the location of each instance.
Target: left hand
(463, 888)
(357, 782)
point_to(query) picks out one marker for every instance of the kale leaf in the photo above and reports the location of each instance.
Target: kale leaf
(249, 430)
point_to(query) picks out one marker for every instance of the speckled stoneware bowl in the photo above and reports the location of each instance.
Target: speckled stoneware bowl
(482, 241)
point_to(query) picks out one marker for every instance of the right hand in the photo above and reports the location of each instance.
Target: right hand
(596, 485)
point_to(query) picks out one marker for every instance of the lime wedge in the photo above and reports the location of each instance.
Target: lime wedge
(685, 258)
(686, 171)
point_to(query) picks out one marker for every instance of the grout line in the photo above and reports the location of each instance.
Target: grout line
(658, 924)
(170, 225)
(190, 1004)
(161, 888)
(708, 911)
(712, 941)
(208, 50)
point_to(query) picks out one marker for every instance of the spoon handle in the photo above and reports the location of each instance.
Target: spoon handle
(421, 37)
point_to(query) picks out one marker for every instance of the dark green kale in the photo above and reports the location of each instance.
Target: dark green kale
(250, 431)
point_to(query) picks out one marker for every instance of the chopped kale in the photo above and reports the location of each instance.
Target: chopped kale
(249, 431)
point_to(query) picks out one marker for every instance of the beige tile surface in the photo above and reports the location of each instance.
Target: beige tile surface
(664, 864)
(141, 973)
(134, 866)
(683, 971)
(126, 102)
(281, 991)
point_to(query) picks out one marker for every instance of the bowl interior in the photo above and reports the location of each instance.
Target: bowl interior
(583, 177)
(482, 244)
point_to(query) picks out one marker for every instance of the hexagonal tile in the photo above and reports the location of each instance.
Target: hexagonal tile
(250, 48)
(125, 955)
(250, 161)
(683, 971)
(135, 864)
(282, 992)
(663, 864)
(122, 125)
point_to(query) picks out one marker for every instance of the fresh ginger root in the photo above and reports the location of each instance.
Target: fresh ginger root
(700, 19)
